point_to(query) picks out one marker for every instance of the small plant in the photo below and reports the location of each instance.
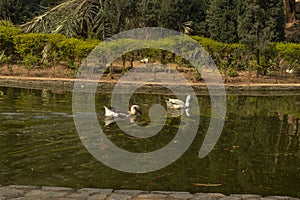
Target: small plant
(197, 76)
(6, 60)
(72, 73)
(179, 61)
(232, 72)
(2, 56)
(30, 61)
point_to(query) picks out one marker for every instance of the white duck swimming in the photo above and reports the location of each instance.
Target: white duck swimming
(135, 109)
(178, 104)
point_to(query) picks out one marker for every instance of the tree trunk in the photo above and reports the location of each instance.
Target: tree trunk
(123, 61)
(131, 60)
(290, 10)
(257, 53)
(258, 63)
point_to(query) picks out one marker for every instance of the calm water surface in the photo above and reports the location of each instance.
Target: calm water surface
(258, 151)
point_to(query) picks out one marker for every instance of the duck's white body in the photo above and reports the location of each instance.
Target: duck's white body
(114, 113)
(110, 113)
(178, 104)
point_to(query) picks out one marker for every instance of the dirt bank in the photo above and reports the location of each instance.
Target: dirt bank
(104, 86)
(190, 74)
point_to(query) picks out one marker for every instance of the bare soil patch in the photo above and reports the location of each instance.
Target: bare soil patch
(44, 72)
(190, 74)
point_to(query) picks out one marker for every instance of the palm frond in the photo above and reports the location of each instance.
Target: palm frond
(187, 27)
(71, 18)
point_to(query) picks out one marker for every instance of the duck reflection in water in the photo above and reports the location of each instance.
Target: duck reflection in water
(111, 115)
(178, 112)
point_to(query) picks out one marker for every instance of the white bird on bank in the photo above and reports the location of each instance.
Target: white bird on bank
(144, 60)
(135, 109)
(289, 71)
(178, 104)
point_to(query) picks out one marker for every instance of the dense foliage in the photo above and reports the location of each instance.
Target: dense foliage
(45, 50)
(220, 20)
(20, 11)
(101, 19)
(40, 49)
(261, 22)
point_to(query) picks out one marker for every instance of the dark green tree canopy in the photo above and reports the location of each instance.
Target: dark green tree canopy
(223, 20)
(103, 18)
(20, 11)
(262, 22)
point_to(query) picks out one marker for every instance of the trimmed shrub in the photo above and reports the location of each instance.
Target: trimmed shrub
(211, 46)
(49, 49)
(73, 50)
(67, 51)
(288, 56)
(31, 45)
(50, 53)
(7, 35)
(224, 55)
(83, 48)
(288, 51)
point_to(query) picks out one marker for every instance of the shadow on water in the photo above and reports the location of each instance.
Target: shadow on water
(258, 151)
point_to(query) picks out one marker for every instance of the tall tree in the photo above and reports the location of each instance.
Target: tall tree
(11, 10)
(148, 12)
(19, 11)
(194, 15)
(222, 17)
(276, 19)
(183, 15)
(259, 25)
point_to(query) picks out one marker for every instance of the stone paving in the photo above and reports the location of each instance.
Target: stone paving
(62, 193)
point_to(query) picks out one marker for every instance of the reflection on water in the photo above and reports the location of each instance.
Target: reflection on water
(258, 151)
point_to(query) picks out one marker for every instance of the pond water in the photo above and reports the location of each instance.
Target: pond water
(258, 151)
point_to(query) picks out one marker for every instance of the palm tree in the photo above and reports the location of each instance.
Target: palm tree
(78, 18)
(103, 18)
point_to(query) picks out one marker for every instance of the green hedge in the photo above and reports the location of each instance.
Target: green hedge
(275, 57)
(7, 35)
(73, 51)
(288, 51)
(224, 55)
(49, 49)
(30, 44)
(39, 49)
